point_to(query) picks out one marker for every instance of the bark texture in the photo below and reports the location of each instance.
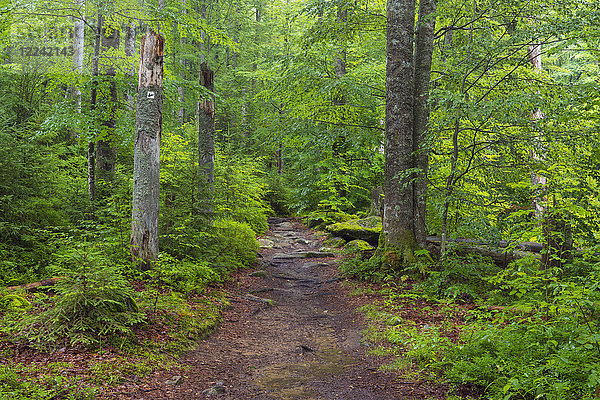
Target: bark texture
(78, 47)
(423, 57)
(130, 37)
(206, 140)
(91, 156)
(406, 159)
(398, 223)
(105, 148)
(146, 167)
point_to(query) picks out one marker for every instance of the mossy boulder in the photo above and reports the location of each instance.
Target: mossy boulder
(358, 246)
(334, 242)
(320, 220)
(367, 229)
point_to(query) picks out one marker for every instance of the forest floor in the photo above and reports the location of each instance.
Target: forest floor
(292, 332)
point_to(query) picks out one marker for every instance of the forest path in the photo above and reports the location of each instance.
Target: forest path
(306, 345)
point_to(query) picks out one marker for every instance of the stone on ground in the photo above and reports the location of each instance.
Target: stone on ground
(334, 242)
(266, 243)
(358, 246)
(367, 229)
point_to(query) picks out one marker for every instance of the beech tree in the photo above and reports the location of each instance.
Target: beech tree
(407, 81)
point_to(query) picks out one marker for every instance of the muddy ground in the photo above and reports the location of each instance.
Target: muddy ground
(292, 332)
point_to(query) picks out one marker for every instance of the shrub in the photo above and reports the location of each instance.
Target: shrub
(459, 275)
(235, 243)
(542, 360)
(93, 302)
(185, 275)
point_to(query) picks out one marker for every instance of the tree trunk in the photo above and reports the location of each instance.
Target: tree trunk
(130, 37)
(339, 67)
(146, 153)
(450, 182)
(539, 182)
(105, 148)
(423, 55)
(376, 201)
(398, 234)
(557, 238)
(91, 156)
(78, 48)
(206, 141)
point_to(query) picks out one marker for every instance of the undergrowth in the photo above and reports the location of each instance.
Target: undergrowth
(520, 332)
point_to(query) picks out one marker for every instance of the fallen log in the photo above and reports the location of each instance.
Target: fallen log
(511, 309)
(35, 285)
(502, 256)
(532, 247)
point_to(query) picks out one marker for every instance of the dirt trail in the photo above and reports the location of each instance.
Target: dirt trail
(307, 345)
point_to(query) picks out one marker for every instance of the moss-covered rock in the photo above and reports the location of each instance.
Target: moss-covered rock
(367, 229)
(358, 246)
(334, 242)
(319, 220)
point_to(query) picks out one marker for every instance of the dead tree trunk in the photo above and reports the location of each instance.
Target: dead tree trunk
(146, 153)
(206, 141)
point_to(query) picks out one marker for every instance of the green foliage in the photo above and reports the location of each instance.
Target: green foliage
(185, 275)
(14, 302)
(235, 243)
(369, 270)
(184, 321)
(278, 194)
(420, 352)
(240, 190)
(458, 275)
(93, 302)
(322, 218)
(552, 360)
(15, 384)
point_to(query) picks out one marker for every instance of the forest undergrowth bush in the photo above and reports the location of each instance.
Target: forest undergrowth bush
(539, 340)
(93, 301)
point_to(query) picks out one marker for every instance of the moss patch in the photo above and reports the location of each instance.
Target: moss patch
(358, 246)
(334, 242)
(367, 229)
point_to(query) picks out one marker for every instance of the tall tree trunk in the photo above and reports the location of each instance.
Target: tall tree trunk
(450, 184)
(206, 128)
(423, 56)
(91, 156)
(537, 181)
(339, 67)
(398, 223)
(78, 47)
(146, 153)
(130, 38)
(105, 146)
(206, 141)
